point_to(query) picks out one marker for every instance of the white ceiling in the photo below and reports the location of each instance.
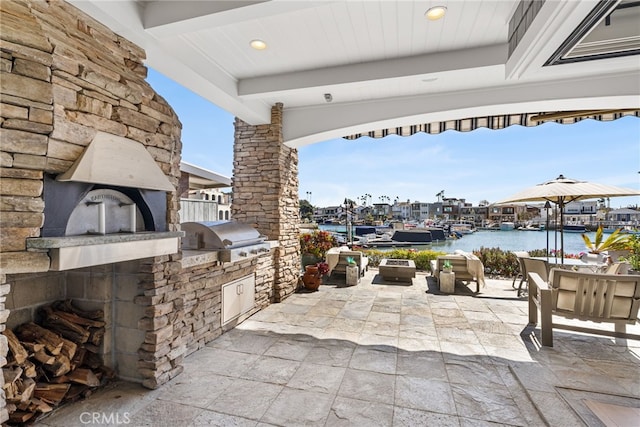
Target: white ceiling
(382, 62)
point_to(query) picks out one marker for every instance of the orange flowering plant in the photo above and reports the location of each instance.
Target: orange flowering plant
(317, 243)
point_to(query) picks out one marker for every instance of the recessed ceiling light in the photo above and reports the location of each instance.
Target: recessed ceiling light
(434, 13)
(258, 44)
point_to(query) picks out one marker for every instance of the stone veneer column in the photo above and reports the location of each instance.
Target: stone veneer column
(265, 193)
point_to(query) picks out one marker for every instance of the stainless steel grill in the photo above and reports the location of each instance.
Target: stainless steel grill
(232, 240)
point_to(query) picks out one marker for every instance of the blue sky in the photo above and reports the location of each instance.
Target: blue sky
(479, 165)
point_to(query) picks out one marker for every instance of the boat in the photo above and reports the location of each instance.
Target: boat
(531, 227)
(574, 228)
(418, 237)
(490, 227)
(462, 228)
(507, 226)
(437, 234)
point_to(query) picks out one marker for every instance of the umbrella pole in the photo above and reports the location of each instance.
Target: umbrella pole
(562, 230)
(555, 231)
(547, 206)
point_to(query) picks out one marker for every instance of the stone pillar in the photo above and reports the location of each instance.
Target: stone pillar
(265, 194)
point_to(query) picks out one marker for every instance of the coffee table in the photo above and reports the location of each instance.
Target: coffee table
(397, 270)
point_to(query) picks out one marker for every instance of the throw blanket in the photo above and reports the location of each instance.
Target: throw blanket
(333, 256)
(474, 265)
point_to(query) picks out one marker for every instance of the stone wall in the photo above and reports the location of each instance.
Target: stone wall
(65, 76)
(182, 309)
(265, 193)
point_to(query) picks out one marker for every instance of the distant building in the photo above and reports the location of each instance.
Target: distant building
(624, 215)
(201, 195)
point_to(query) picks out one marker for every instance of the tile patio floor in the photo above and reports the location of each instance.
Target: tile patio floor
(382, 355)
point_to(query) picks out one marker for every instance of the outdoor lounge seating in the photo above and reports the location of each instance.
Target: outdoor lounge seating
(522, 274)
(467, 267)
(531, 265)
(337, 258)
(611, 298)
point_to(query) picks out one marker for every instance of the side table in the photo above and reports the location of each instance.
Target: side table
(447, 282)
(353, 276)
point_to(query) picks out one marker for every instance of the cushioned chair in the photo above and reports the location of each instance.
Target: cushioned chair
(342, 254)
(611, 298)
(522, 273)
(460, 264)
(530, 265)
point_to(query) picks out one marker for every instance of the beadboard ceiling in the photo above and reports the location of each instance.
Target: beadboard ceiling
(382, 62)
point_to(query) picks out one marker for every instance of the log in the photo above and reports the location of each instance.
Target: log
(78, 359)
(63, 327)
(96, 335)
(92, 348)
(69, 348)
(62, 379)
(20, 417)
(40, 405)
(31, 332)
(79, 320)
(60, 366)
(69, 308)
(11, 374)
(10, 391)
(32, 347)
(17, 350)
(84, 376)
(30, 369)
(51, 393)
(26, 390)
(44, 358)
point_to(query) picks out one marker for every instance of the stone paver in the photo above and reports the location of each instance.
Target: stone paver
(383, 355)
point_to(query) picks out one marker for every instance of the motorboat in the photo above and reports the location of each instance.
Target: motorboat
(574, 228)
(507, 226)
(531, 227)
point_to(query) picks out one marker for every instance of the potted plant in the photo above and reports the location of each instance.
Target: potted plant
(446, 266)
(313, 274)
(615, 241)
(314, 246)
(633, 244)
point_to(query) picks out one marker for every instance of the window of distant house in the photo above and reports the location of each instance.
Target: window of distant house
(220, 215)
(219, 199)
(226, 215)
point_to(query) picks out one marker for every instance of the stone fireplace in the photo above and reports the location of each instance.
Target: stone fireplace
(66, 81)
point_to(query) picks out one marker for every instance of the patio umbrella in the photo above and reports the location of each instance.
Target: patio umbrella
(562, 191)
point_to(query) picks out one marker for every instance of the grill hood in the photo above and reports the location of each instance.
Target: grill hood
(114, 160)
(232, 241)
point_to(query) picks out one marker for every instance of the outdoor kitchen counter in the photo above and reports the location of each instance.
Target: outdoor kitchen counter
(98, 239)
(71, 252)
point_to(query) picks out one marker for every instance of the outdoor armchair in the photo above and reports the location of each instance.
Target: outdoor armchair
(586, 296)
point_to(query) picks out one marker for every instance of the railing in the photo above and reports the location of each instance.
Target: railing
(198, 210)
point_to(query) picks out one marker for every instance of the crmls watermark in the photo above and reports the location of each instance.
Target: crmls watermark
(104, 418)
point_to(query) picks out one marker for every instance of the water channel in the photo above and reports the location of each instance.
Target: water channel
(506, 240)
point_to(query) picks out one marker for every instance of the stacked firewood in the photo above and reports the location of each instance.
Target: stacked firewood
(53, 362)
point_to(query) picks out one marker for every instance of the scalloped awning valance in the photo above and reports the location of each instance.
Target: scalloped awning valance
(499, 122)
